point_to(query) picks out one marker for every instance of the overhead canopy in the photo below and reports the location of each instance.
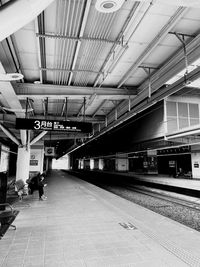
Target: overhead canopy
(81, 64)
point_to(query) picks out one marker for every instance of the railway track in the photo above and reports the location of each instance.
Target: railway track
(162, 195)
(177, 204)
(181, 210)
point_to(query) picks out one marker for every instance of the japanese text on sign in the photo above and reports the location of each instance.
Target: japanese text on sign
(50, 125)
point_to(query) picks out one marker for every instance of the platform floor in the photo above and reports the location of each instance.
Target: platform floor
(83, 225)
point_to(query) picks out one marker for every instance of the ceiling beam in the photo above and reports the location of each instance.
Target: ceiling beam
(173, 66)
(64, 108)
(17, 14)
(24, 90)
(88, 104)
(154, 43)
(135, 18)
(99, 107)
(9, 134)
(132, 13)
(30, 102)
(78, 44)
(38, 137)
(82, 109)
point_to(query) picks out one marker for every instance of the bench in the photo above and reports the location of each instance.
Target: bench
(7, 216)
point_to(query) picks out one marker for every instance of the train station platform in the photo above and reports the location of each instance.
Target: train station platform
(83, 225)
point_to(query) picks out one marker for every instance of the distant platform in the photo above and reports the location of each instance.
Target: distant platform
(161, 179)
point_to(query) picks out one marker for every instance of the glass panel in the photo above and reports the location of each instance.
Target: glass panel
(171, 108)
(182, 109)
(172, 125)
(183, 122)
(194, 122)
(194, 110)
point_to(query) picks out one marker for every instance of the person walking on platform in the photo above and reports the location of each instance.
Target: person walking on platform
(36, 183)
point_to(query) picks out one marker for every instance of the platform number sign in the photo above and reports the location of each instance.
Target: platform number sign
(37, 125)
(49, 151)
(50, 125)
(40, 124)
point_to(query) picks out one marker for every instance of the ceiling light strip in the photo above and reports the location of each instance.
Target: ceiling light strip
(64, 43)
(78, 44)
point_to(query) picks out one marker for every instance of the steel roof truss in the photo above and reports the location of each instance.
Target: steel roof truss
(160, 36)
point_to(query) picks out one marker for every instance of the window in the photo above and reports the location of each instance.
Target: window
(181, 115)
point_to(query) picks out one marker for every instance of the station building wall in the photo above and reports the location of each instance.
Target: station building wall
(147, 126)
(172, 115)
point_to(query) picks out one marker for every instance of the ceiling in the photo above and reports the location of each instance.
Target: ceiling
(84, 65)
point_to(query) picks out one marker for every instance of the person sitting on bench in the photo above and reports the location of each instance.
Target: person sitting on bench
(36, 183)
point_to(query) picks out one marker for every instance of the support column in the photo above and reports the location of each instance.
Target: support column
(121, 162)
(81, 164)
(195, 161)
(96, 164)
(49, 163)
(101, 164)
(23, 159)
(91, 164)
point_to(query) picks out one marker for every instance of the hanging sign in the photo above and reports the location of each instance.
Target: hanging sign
(49, 151)
(51, 125)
